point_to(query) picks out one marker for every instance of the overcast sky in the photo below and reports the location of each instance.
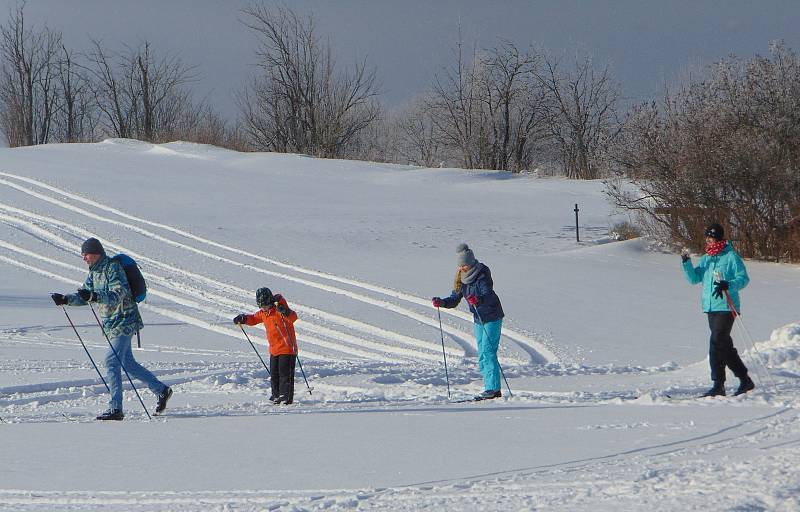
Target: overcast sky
(646, 42)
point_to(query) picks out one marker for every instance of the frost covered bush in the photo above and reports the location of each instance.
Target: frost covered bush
(724, 147)
(625, 231)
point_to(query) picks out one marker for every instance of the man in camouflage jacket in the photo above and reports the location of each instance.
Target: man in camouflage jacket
(107, 286)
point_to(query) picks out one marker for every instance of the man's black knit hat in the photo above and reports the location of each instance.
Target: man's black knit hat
(92, 246)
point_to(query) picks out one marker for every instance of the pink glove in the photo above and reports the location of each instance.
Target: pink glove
(473, 300)
(437, 302)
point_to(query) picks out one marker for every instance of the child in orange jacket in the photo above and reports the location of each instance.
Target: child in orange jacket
(278, 321)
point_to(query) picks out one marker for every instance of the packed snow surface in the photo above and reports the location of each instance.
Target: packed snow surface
(604, 344)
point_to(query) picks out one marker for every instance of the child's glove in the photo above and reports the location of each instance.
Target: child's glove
(437, 302)
(472, 300)
(60, 300)
(239, 319)
(685, 255)
(283, 309)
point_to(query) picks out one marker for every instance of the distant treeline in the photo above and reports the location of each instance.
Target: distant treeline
(723, 145)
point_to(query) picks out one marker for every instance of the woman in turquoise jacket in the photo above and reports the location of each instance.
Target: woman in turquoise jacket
(722, 274)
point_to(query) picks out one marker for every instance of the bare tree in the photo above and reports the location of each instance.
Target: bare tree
(417, 140)
(111, 84)
(454, 108)
(301, 102)
(583, 113)
(140, 95)
(163, 95)
(517, 106)
(27, 80)
(491, 111)
(76, 116)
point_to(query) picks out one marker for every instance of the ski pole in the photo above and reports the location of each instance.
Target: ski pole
(444, 354)
(303, 373)
(295, 350)
(758, 365)
(749, 338)
(119, 360)
(486, 333)
(85, 349)
(254, 348)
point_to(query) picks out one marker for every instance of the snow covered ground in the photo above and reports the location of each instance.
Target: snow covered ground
(603, 345)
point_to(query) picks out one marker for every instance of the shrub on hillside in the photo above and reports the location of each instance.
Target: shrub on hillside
(725, 148)
(625, 231)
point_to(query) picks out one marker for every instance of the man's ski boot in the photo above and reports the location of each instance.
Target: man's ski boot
(112, 415)
(163, 398)
(489, 394)
(745, 384)
(717, 390)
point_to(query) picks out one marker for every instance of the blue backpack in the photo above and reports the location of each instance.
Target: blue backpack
(135, 278)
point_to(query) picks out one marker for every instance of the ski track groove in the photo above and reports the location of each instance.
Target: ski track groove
(429, 353)
(383, 304)
(538, 352)
(221, 287)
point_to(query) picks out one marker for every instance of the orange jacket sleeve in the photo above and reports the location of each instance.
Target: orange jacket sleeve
(254, 319)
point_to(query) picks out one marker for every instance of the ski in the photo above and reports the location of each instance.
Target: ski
(473, 399)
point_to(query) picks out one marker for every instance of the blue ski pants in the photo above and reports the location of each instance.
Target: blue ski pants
(122, 345)
(488, 337)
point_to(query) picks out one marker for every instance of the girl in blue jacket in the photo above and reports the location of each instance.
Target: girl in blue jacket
(473, 281)
(722, 273)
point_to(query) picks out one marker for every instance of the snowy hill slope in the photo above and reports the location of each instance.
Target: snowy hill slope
(596, 335)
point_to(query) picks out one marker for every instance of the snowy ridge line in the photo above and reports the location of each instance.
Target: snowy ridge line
(542, 353)
(348, 322)
(430, 354)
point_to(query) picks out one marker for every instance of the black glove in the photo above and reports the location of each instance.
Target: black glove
(240, 319)
(60, 300)
(87, 295)
(685, 258)
(283, 309)
(720, 287)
